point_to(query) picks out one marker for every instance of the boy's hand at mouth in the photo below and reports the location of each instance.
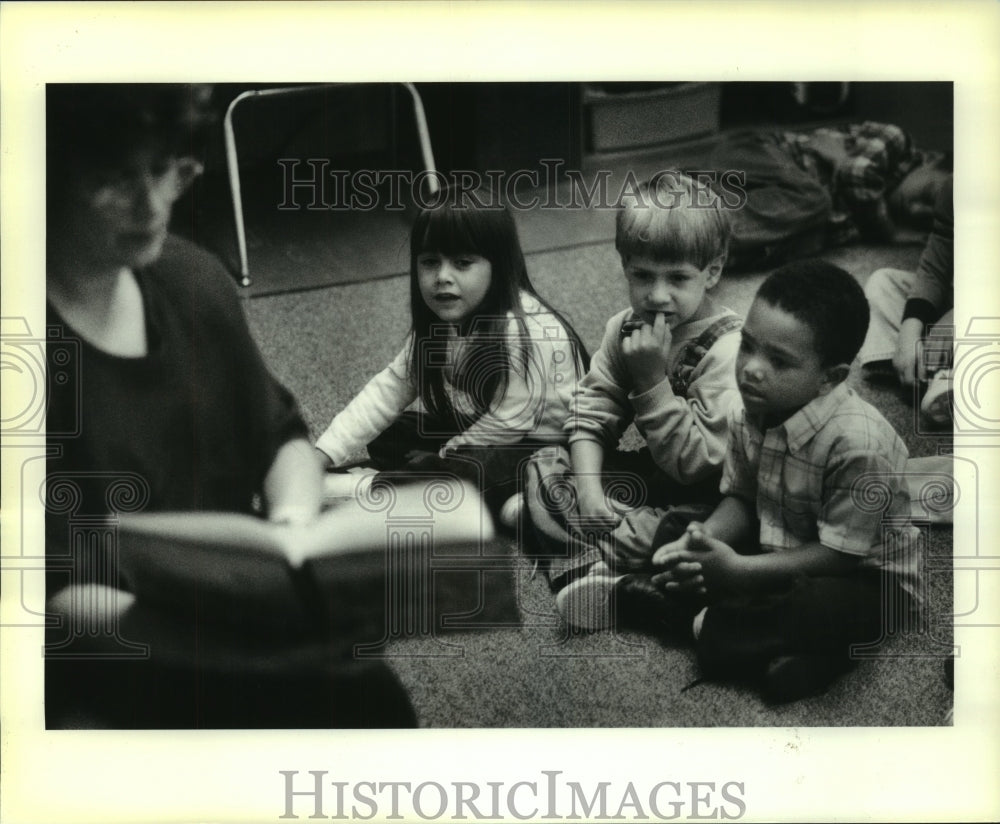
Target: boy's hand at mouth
(645, 351)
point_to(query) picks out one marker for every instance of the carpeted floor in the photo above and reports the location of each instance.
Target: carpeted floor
(325, 343)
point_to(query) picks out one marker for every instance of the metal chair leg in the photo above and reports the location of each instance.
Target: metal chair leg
(232, 156)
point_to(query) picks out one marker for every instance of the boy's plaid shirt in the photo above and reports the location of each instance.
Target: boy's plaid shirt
(834, 472)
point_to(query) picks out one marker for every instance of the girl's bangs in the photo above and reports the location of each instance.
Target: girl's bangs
(449, 230)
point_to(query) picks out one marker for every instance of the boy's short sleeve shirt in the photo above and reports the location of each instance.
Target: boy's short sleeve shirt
(833, 473)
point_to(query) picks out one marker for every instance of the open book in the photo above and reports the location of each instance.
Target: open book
(401, 560)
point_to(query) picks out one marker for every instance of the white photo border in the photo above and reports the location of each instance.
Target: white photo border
(878, 774)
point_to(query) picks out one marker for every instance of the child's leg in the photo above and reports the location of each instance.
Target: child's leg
(938, 354)
(410, 449)
(818, 619)
(568, 544)
(500, 469)
(603, 599)
(939, 344)
(655, 487)
(618, 591)
(630, 546)
(412, 435)
(414, 441)
(551, 504)
(886, 291)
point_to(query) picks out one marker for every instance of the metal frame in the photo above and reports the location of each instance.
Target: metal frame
(232, 158)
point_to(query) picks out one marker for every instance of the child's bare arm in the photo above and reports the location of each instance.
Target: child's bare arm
(587, 457)
(729, 571)
(711, 565)
(732, 521)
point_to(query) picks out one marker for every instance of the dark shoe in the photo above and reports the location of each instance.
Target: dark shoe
(640, 604)
(791, 677)
(738, 641)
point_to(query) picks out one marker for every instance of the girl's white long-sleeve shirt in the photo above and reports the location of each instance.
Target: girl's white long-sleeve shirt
(536, 403)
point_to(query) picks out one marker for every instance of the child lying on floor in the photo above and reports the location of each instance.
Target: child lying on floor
(814, 498)
(807, 191)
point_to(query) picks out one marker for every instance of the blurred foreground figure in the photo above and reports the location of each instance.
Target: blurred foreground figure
(169, 408)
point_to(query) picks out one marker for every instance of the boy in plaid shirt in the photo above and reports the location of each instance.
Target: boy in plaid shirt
(814, 498)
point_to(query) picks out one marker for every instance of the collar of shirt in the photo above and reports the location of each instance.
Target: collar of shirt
(801, 427)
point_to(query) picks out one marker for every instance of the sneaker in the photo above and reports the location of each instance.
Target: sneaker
(601, 600)
(510, 512)
(587, 602)
(791, 677)
(939, 398)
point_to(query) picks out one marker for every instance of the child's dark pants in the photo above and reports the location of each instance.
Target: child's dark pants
(817, 616)
(828, 617)
(413, 441)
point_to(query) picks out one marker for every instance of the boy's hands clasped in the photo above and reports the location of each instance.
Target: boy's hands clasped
(696, 564)
(645, 351)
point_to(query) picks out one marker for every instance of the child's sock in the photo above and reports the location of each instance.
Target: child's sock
(699, 619)
(939, 398)
(510, 513)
